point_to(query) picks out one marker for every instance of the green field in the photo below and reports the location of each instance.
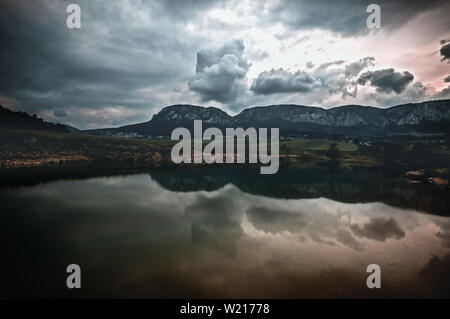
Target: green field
(34, 139)
(30, 140)
(298, 146)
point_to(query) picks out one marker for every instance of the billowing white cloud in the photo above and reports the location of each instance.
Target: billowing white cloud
(220, 74)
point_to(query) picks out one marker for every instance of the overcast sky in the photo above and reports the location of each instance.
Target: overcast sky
(132, 58)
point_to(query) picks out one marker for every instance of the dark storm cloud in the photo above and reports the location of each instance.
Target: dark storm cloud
(380, 229)
(114, 59)
(345, 237)
(60, 113)
(353, 69)
(445, 50)
(326, 79)
(184, 9)
(220, 74)
(347, 17)
(276, 221)
(281, 81)
(447, 78)
(387, 80)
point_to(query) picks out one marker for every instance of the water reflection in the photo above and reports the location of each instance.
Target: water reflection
(349, 185)
(134, 238)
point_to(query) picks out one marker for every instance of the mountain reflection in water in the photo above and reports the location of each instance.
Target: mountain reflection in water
(134, 238)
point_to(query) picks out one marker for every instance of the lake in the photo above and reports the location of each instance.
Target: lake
(226, 233)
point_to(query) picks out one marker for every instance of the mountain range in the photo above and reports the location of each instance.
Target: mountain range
(431, 117)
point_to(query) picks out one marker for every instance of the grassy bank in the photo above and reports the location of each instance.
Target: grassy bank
(42, 155)
(33, 156)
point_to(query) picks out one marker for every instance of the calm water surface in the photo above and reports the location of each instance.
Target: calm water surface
(134, 238)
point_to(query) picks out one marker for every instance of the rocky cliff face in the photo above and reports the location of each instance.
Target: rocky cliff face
(296, 120)
(413, 114)
(192, 112)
